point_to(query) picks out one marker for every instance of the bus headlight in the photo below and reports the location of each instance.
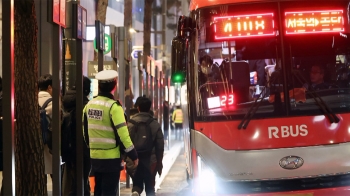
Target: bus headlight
(206, 178)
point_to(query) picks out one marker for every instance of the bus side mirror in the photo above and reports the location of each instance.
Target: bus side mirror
(185, 27)
(179, 59)
(178, 62)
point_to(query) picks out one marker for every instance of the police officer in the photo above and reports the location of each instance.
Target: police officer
(177, 119)
(105, 122)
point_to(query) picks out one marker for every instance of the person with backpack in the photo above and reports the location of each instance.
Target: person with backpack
(134, 109)
(106, 133)
(68, 142)
(147, 136)
(45, 103)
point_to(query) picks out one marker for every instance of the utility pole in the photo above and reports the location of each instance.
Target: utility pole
(128, 66)
(78, 14)
(164, 67)
(121, 62)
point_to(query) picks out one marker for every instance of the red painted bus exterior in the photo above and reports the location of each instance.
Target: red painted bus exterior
(267, 96)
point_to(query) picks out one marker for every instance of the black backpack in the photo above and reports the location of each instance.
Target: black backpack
(141, 136)
(45, 123)
(68, 134)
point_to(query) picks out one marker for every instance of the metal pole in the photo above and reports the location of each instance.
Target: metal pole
(72, 12)
(100, 60)
(151, 85)
(164, 67)
(56, 108)
(156, 92)
(164, 31)
(170, 130)
(99, 51)
(161, 101)
(121, 69)
(139, 68)
(128, 99)
(146, 85)
(79, 114)
(8, 128)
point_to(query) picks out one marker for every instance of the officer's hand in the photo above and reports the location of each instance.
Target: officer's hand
(136, 162)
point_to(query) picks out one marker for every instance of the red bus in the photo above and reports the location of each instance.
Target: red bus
(268, 96)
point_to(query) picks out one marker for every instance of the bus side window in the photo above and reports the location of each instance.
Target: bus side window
(343, 76)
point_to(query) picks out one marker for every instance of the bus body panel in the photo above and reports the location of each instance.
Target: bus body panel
(196, 4)
(277, 133)
(339, 191)
(257, 154)
(241, 165)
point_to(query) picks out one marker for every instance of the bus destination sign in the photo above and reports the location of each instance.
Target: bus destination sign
(321, 21)
(236, 26)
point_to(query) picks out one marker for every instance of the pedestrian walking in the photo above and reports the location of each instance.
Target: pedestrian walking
(178, 119)
(147, 136)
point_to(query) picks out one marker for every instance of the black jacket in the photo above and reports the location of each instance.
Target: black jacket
(69, 100)
(157, 136)
(69, 104)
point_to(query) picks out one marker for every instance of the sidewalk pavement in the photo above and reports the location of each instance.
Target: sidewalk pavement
(170, 155)
(168, 161)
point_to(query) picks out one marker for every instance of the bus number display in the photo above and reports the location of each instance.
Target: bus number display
(220, 101)
(314, 21)
(228, 27)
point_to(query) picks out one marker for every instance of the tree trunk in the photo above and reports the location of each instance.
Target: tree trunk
(101, 11)
(147, 31)
(30, 175)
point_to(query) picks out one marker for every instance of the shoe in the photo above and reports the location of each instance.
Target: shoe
(134, 193)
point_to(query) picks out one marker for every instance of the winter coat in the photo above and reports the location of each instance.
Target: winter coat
(43, 96)
(69, 104)
(157, 136)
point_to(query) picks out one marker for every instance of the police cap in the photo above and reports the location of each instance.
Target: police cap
(106, 76)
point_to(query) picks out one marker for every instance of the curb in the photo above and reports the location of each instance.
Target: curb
(168, 161)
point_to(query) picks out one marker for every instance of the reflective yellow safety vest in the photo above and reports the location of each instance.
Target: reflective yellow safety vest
(177, 116)
(102, 141)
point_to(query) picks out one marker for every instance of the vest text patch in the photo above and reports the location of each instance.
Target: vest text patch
(95, 114)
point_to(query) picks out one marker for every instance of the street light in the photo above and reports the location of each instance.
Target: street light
(132, 30)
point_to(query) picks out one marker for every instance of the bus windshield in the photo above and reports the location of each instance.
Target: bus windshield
(271, 62)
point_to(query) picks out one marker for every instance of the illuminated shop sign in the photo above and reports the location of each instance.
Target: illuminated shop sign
(228, 27)
(321, 21)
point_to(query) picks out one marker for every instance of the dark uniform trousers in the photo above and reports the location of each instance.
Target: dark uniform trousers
(178, 131)
(107, 183)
